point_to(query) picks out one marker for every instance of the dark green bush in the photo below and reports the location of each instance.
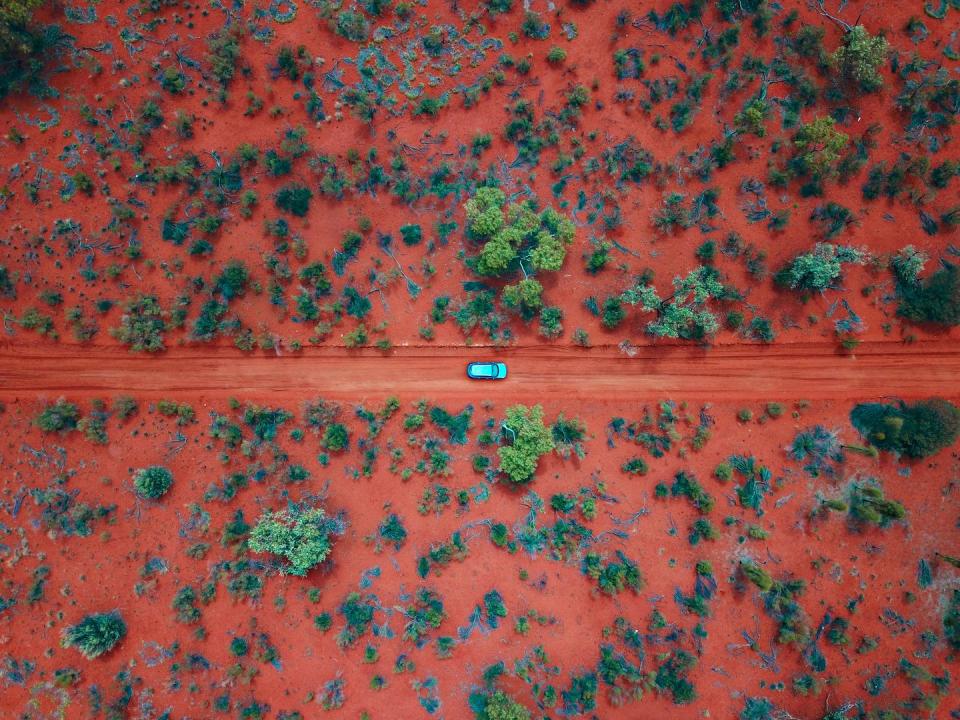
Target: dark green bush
(951, 621)
(335, 438)
(142, 325)
(153, 482)
(24, 46)
(294, 198)
(96, 634)
(411, 234)
(62, 416)
(915, 430)
(934, 300)
(868, 506)
(352, 25)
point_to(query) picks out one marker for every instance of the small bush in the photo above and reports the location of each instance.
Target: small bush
(153, 482)
(636, 466)
(500, 706)
(62, 416)
(96, 634)
(951, 621)
(868, 506)
(335, 438)
(294, 199)
(529, 439)
(411, 234)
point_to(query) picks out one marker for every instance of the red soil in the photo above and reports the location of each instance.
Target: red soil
(869, 576)
(875, 570)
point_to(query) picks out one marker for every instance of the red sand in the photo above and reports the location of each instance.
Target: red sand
(868, 576)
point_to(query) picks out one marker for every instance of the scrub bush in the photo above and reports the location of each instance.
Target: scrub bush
(95, 635)
(302, 537)
(153, 482)
(915, 430)
(530, 439)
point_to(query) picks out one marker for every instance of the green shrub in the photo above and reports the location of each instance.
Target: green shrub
(859, 59)
(142, 325)
(820, 269)
(23, 46)
(172, 80)
(756, 574)
(335, 438)
(636, 466)
(232, 281)
(613, 312)
(529, 440)
(515, 233)
(500, 706)
(818, 146)
(302, 537)
(934, 300)
(723, 472)
(757, 709)
(411, 234)
(429, 106)
(915, 430)
(224, 47)
(352, 25)
(153, 482)
(62, 416)
(868, 506)
(551, 322)
(294, 198)
(951, 621)
(96, 634)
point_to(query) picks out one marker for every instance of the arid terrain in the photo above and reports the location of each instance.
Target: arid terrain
(247, 249)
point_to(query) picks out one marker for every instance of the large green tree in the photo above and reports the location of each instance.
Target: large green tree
(300, 536)
(529, 439)
(686, 313)
(857, 62)
(515, 237)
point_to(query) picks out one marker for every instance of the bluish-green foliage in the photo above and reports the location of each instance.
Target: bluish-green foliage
(96, 634)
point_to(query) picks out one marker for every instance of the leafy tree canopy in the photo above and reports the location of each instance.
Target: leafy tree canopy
(819, 269)
(302, 537)
(516, 234)
(819, 145)
(530, 439)
(859, 59)
(685, 313)
(500, 706)
(935, 299)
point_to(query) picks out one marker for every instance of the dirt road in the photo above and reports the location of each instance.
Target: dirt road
(742, 372)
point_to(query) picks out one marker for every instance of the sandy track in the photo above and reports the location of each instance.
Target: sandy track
(740, 372)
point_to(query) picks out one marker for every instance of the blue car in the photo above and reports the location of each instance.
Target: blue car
(487, 370)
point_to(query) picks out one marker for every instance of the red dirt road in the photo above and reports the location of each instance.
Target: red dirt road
(744, 372)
